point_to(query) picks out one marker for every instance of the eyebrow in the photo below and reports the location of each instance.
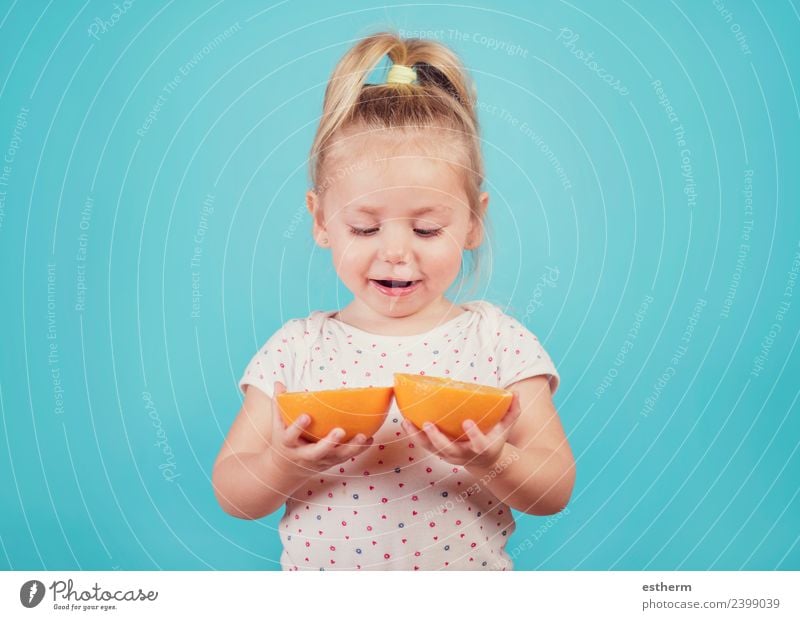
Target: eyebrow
(420, 211)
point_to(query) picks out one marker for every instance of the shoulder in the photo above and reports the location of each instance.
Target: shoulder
(492, 316)
(296, 331)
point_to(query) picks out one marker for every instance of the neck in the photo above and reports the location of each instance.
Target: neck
(365, 318)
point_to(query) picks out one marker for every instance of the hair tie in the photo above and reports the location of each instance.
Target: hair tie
(401, 74)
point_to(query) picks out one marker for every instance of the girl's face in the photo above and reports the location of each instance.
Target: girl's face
(396, 218)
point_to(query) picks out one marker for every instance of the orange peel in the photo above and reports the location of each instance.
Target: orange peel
(448, 403)
(355, 410)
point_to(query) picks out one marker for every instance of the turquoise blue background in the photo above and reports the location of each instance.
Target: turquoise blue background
(585, 180)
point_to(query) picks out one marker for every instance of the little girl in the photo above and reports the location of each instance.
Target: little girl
(397, 173)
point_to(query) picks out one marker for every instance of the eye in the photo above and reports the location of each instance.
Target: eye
(433, 232)
(425, 233)
(362, 231)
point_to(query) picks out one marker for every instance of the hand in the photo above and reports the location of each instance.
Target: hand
(295, 456)
(478, 450)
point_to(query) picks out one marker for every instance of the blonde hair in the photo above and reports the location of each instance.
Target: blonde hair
(442, 99)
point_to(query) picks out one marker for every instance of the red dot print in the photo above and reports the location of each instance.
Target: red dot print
(386, 556)
(432, 524)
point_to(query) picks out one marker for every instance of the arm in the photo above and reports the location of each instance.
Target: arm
(535, 472)
(249, 482)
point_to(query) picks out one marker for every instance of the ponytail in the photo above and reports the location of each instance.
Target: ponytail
(443, 98)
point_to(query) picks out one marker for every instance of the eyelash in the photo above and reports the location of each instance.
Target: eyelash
(428, 233)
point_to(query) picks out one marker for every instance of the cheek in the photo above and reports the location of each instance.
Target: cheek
(445, 257)
(349, 255)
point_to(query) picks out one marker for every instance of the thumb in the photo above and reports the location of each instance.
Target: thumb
(514, 410)
(278, 388)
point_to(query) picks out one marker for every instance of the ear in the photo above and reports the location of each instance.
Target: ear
(475, 234)
(314, 206)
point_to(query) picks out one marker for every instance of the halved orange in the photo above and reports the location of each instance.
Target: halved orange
(447, 403)
(356, 410)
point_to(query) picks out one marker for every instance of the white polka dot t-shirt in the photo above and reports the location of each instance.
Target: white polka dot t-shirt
(397, 506)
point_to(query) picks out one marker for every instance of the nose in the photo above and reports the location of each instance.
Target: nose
(396, 247)
(395, 254)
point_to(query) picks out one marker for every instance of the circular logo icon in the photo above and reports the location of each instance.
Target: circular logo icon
(31, 593)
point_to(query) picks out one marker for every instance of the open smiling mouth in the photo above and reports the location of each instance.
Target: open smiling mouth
(396, 288)
(396, 283)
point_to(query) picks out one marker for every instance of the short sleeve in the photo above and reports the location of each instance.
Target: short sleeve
(275, 361)
(520, 355)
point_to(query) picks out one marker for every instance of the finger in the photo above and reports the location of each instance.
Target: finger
(440, 442)
(354, 448)
(509, 419)
(477, 440)
(292, 434)
(325, 445)
(416, 436)
(412, 432)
